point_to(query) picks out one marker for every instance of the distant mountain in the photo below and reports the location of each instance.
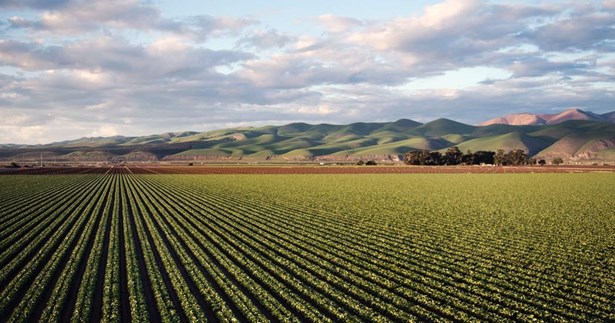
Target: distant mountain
(609, 116)
(524, 119)
(573, 140)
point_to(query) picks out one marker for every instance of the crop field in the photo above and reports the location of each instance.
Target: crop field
(305, 169)
(120, 246)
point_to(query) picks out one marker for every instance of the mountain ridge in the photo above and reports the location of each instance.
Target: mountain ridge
(572, 140)
(524, 119)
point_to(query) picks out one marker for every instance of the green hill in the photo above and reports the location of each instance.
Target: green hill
(572, 140)
(442, 127)
(509, 141)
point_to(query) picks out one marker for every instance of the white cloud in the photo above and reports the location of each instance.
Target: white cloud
(23, 134)
(105, 131)
(93, 67)
(19, 22)
(441, 14)
(265, 39)
(437, 27)
(336, 24)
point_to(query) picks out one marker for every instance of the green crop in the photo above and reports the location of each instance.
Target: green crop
(411, 247)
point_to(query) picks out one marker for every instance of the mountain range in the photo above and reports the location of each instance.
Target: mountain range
(526, 119)
(588, 140)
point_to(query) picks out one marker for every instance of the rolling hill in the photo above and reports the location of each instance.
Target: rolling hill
(573, 140)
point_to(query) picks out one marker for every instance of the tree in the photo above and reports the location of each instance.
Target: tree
(468, 158)
(517, 157)
(435, 158)
(360, 163)
(557, 161)
(453, 156)
(371, 163)
(423, 157)
(542, 162)
(412, 158)
(417, 157)
(483, 157)
(499, 157)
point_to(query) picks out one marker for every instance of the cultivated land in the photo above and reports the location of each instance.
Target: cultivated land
(118, 245)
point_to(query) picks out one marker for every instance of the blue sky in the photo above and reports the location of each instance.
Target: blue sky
(75, 68)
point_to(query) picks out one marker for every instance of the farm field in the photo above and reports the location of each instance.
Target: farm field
(119, 246)
(302, 169)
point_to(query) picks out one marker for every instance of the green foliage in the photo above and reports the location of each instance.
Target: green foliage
(318, 248)
(482, 157)
(452, 156)
(423, 157)
(500, 157)
(517, 157)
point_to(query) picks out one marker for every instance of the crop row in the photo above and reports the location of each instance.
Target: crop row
(426, 263)
(126, 247)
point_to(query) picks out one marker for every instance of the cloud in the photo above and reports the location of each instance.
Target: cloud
(439, 24)
(17, 126)
(336, 24)
(264, 39)
(457, 34)
(105, 131)
(201, 27)
(124, 67)
(584, 28)
(74, 17)
(36, 4)
(163, 57)
(79, 17)
(535, 67)
(19, 22)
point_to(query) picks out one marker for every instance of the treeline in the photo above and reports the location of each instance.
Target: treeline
(453, 156)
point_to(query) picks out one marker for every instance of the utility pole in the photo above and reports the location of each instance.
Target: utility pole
(41, 159)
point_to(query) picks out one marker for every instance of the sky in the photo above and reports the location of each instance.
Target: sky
(89, 68)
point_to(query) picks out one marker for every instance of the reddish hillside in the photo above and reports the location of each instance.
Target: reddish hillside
(522, 119)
